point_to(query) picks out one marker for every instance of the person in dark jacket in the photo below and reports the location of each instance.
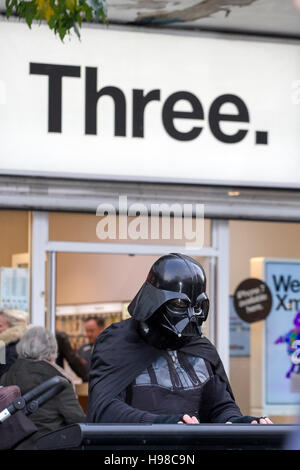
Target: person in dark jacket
(93, 326)
(65, 351)
(157, 366)
(37, 351)
(13, 324)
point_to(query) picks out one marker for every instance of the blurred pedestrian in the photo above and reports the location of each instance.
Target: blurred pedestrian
(13, 324)
(93, 328)
(65, 351)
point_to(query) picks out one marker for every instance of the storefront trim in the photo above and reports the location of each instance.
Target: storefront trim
(226, 202)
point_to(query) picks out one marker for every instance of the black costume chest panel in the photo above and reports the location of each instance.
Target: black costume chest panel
(172, 384)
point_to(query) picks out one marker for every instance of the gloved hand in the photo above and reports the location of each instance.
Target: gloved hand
(176, 419)
(249, 419)
(167, 419)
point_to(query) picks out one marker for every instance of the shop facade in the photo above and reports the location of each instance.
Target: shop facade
(94, 135)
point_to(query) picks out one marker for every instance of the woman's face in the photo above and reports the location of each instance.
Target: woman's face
(3, 323)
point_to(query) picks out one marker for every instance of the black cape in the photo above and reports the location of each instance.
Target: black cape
(120, 355)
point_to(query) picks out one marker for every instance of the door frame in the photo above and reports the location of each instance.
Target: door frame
(43, 311)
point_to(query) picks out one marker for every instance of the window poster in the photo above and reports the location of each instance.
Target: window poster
(239, 333)
(14, 288)
(282, 333)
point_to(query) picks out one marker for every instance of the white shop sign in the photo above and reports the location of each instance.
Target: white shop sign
(139, 106)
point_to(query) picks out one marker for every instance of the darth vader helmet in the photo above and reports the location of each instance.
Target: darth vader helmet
(172, 304)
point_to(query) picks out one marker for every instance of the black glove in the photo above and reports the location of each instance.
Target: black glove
(168, 419)
(244, 419)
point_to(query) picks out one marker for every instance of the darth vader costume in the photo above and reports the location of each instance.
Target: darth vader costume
(157, 366)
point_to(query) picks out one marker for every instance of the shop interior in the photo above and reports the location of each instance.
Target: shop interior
(104, 284)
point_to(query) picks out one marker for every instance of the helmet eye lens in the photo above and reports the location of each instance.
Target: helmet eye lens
(184, 308)
(202, 307)
(197, 308)
(178, 305)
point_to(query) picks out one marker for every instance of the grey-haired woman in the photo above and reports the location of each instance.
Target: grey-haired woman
(37, 351)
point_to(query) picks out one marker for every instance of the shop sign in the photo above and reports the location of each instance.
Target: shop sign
(136, 105)
(282, 333)
(252, 300)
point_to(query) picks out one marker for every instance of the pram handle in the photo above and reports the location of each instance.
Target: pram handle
(35, 397)
(34, 404)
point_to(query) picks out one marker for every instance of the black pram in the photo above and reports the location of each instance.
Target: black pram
(15, 426)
